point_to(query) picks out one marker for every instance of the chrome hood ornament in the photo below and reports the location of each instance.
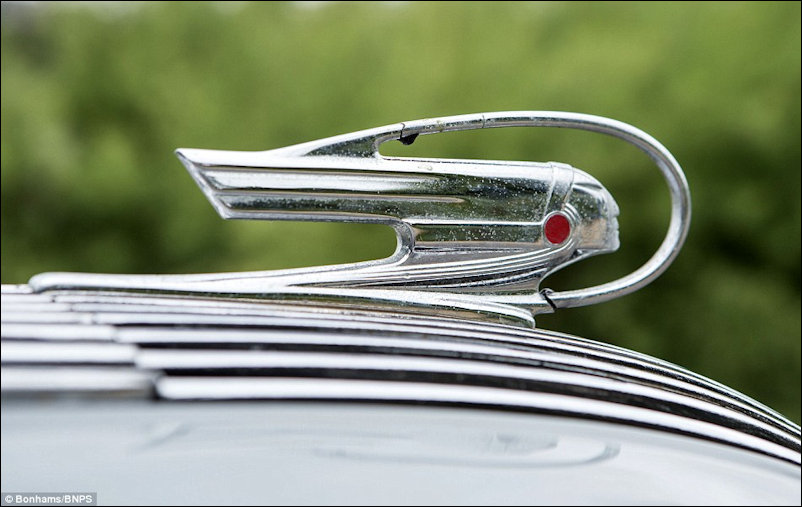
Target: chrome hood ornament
(475, 237)
(117, 362)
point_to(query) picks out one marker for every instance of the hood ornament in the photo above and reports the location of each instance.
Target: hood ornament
(474, 236)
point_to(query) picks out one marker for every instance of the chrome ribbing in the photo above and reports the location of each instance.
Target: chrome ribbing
(197, 348)
(475, 236)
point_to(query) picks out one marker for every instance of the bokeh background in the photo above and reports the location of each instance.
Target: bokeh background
(95, 98)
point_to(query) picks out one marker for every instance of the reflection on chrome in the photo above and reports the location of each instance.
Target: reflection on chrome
(474, 236)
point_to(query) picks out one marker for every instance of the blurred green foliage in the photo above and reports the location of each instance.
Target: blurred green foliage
(95, 99)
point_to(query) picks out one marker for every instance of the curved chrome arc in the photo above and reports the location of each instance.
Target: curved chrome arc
(665, 161)
(471, 233)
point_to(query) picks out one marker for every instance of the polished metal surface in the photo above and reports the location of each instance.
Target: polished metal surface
(474, 236)
(181, 348)
(282, 453)
(445, 322)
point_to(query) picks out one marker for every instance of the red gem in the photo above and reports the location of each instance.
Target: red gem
(557, 229)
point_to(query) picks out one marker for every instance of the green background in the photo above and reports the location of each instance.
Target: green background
(95, 100)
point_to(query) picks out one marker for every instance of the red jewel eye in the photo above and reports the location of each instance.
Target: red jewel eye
(557, 229)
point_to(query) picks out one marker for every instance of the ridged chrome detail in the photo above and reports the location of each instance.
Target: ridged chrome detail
(429, 325)
(194, 348)
(472, 234)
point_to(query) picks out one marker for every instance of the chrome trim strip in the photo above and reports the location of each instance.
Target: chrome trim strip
(250, 388)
